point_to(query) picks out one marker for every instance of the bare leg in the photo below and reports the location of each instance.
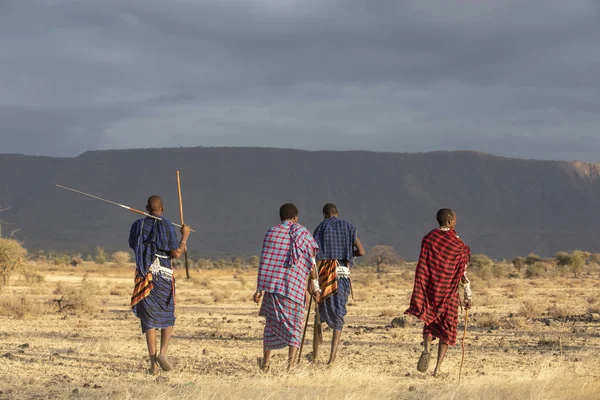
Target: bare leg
(423, 363)
(151, 342)
(264, 363)
(165, 338)
(441, 355)
(335, 341)
(427, 338)
(266, 356)
(316, 339)
(292, 357)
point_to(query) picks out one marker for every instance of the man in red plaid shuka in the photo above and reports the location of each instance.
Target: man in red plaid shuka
(286, 261)
(435, 300)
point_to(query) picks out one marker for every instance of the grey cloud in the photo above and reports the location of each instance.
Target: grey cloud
(512, 78)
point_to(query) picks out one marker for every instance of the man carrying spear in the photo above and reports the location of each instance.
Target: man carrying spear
(154, 242)
(286, 261)
(442, 266)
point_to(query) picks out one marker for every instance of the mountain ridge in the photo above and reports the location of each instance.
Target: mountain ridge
(506, 206)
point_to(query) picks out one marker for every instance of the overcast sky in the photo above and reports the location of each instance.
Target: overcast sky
(515, 78)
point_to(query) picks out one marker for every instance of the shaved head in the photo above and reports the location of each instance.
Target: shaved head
(155, 204)
(330, 210)
(445, 216)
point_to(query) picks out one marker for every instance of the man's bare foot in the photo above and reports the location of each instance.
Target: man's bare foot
(164, 364)
(264, 367)
(440, 374)
(153, 366)
(423, 363)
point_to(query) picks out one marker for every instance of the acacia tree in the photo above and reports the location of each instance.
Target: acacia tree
(574, 261)
(383, 255)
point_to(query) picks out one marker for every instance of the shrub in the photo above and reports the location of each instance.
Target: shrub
(78, 299)
(12, 255)
(32, 277)
(100, 255)
(535, 271)
(518, 263)
(121, 258)
(205, 264)
(500, 270)
(532, 259)
(254, 261)
(481, 265)
(22, 306)
(530, 309)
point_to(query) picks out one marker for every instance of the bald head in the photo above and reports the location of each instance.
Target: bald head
(330, 210)
(446, 217)
(155, 205)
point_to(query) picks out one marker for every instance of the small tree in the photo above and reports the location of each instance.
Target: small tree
(518, 263)
(12, 255)
(578, 260)
(121, 258)
(100, 255)
(383, 255)
(533, 259)
(574, 261)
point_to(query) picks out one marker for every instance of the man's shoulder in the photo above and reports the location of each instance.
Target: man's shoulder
(432, 234)
(347, 223)
(137, 222)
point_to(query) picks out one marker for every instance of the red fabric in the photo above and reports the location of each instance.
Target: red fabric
(442, 263)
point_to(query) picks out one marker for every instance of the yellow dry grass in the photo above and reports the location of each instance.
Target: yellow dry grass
(94, 348)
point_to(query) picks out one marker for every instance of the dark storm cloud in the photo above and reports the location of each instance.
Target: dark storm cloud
(508, 77)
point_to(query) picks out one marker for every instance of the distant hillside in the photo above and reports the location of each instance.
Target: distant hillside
(506, 207)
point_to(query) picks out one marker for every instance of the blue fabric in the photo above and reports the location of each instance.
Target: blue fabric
(333, 310)
(150, 237)
(335, 238)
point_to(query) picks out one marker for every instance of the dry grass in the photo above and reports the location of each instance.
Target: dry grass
(96, 350)
(531, 308)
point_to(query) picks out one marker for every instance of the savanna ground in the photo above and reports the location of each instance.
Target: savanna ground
(68, 332)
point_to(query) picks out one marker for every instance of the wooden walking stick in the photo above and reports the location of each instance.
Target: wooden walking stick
(462, 360)
(187, 269)
(305, 326)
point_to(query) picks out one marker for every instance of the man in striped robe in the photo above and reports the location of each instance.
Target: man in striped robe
(338, 245)
(286, 261)
(154, 243)
(435, 300)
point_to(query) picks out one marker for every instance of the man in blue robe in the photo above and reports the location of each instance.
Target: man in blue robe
(155, 243)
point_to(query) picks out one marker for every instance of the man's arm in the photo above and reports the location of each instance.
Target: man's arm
(359, 250)
(185, 233)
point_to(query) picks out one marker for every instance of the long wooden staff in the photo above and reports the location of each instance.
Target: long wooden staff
(305, 326)
(187, 269)
(462, 360)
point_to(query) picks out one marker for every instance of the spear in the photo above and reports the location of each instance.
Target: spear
(114, 203)
(187, 270)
